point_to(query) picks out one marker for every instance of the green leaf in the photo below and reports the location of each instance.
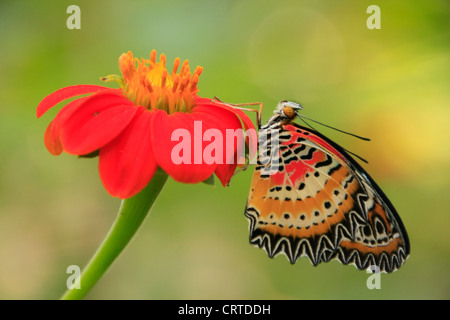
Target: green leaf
(90, 155)
(210, 180)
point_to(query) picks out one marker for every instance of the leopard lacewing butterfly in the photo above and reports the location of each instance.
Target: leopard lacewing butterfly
(310, 198)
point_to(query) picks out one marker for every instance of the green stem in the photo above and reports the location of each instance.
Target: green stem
(132, 213)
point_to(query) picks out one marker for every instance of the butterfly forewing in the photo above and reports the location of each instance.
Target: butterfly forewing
(309, 198)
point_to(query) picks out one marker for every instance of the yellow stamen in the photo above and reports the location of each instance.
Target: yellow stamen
(175, 83)
(148, 83)
(198, 70)
(193, 85)
(163, 79)
(176, 64)
(153, 56)
(184, 82)
(162, 59)
(183, 67)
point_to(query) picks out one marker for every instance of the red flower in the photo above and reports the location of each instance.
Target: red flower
(131, 127)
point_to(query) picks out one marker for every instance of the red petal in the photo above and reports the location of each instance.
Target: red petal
(65, 93)
(248, 124)
(223, 120)
(251, 133)
(52, 134)
(228, 120)
(193, 169)
(225, 171)
(98, 120)
(127, 163)
(51, 140)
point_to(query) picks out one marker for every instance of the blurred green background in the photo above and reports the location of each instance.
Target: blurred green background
(390, 84)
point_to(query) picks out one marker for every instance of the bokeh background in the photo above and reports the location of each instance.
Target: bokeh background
(390, 84)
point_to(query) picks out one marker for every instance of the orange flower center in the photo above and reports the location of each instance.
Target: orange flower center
(149, 84)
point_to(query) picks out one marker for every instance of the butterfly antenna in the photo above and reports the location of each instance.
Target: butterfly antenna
(352, 134)
(304, 121)
(359, 157)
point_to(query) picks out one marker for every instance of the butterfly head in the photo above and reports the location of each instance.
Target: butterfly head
(288, 109)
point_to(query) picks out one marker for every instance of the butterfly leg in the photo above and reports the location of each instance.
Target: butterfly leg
(258, 112)
(241, 106)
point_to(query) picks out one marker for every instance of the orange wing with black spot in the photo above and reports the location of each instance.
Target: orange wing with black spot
(310, 198)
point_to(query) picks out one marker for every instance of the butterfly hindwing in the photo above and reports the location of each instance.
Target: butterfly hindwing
(309, 198)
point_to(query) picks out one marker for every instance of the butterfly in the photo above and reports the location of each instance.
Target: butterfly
(310, 198)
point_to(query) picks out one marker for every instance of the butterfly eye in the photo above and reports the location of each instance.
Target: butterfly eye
(289, 112)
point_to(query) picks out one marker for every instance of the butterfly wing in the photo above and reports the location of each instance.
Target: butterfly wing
(310, 198)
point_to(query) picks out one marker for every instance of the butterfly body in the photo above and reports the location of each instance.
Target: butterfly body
(310, 198)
